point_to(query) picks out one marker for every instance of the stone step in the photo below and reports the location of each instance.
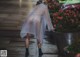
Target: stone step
(9, 28)
(45, 55)
(12, 52)
(5, 42)
(4, 15)
(8, 25)
(23, 2)
(9, 33)
(14, 11)
(49, 55)
(8, 17)
(5, 38)
(17, 44)
(10, 12)
(33, 48)
(12, 7)
(12, 39)
(2, 19)
(9, 22)
(17, 2)
(4, 45)
(17, 49)
(16, 55)
(20, 39)
(11, 0)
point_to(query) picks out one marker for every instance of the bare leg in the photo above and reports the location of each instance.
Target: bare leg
(39, 43)
(39, 47)
(28, 35)
(39, 37)
(27, 45)
(27, 41)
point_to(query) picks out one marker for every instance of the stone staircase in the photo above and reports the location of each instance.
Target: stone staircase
(15, 46)
(13, 12)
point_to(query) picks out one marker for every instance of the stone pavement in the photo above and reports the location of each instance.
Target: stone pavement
(15, 46)
(48, 49)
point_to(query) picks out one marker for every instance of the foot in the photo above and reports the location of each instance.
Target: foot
(40, 51)
(40, 54)
(27, 52)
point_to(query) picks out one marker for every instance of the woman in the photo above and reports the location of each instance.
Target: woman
(35, 24)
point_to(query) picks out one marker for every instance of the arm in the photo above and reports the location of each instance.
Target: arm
(48, 19)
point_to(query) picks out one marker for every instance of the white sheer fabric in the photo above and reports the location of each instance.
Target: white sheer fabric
(36, 21)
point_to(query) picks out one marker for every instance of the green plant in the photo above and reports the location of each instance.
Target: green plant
(74, 47)
(64, 20)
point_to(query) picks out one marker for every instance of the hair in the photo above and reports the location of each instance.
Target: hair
(39, 2)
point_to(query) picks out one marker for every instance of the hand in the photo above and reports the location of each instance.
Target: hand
(53, 29)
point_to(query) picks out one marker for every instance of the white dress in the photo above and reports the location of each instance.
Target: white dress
(36, 21)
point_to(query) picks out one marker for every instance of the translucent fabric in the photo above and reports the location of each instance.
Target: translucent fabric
(36, 21)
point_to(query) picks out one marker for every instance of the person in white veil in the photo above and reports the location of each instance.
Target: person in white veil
(35, 24)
